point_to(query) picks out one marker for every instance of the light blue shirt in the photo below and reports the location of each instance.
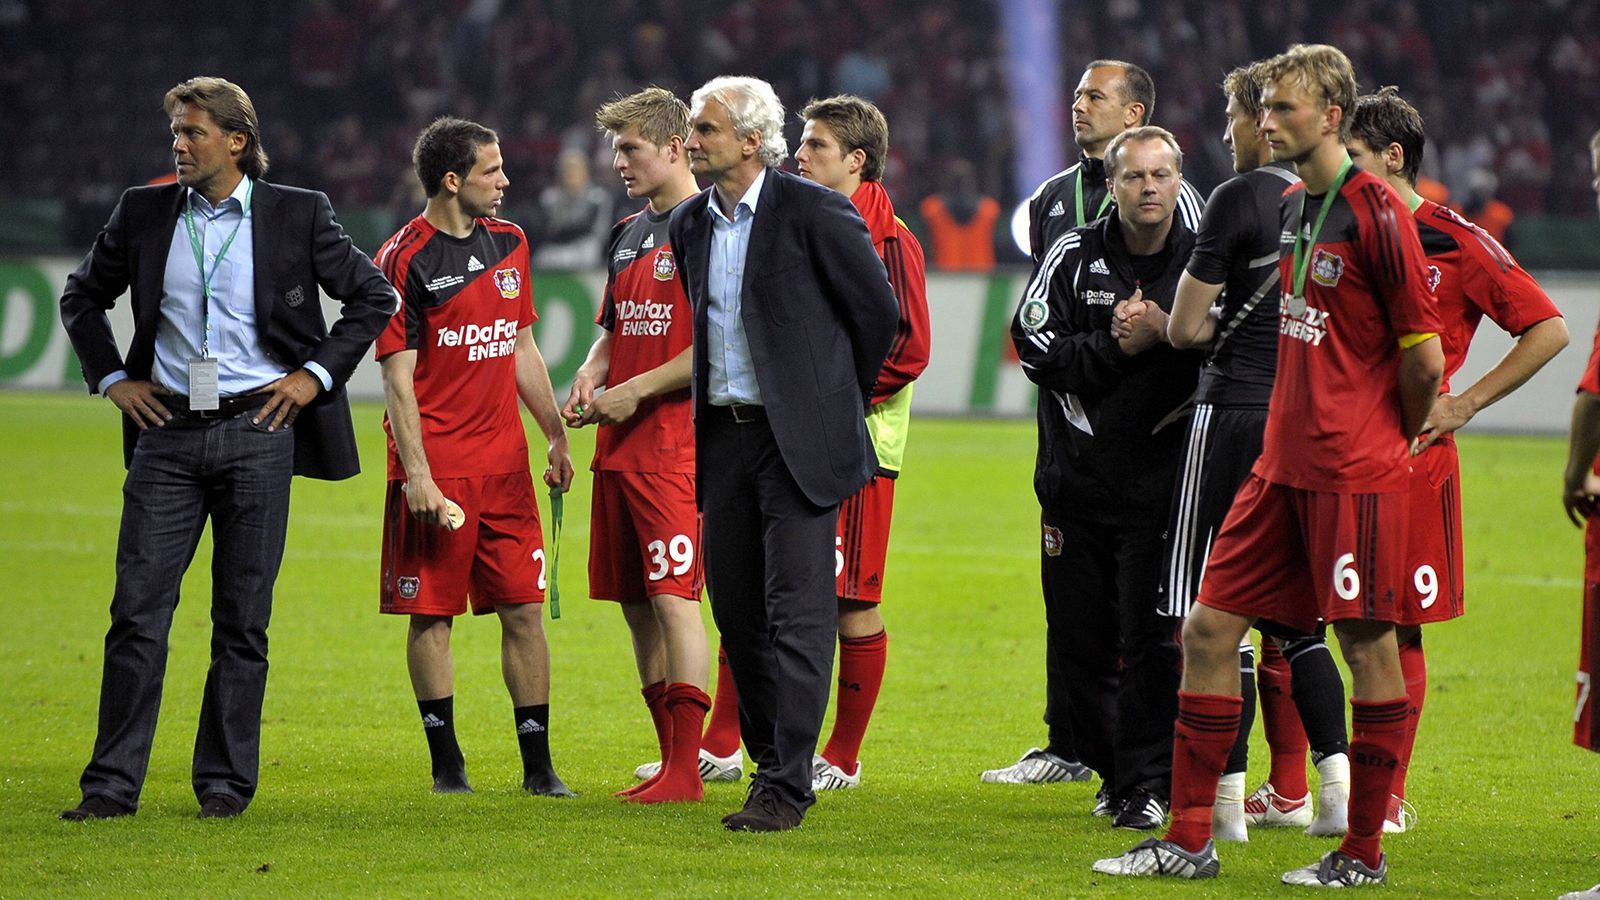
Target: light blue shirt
(732, 377)
(242, 363)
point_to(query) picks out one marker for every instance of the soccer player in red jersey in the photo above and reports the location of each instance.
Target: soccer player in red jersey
(1316, 531)
(844, 146)
(1581, 487)
(645, 546)
(460, 519)
(1472, 276)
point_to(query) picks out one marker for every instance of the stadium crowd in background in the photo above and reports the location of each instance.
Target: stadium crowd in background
(345, 87)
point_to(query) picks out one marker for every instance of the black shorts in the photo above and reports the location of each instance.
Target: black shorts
(1223, 445)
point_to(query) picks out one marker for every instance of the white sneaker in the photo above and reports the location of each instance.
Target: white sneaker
(712, 768)
(1402, 816)
(1591, 894)
(1039, 767)
(1338, 870)
(1266, 808)
(1158, 857)
(1227, 816)
(1333, 797)
(825, 776)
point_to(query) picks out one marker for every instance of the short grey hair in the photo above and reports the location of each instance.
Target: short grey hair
(1142, 133)
(753, 106)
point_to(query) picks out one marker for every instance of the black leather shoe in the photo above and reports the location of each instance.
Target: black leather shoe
(765, 811)
(220, 806)
(95, 806)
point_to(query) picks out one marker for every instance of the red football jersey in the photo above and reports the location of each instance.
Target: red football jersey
(463, 300)
(1334, 419)
(1471, 276)
(908, 275)
(650, 321)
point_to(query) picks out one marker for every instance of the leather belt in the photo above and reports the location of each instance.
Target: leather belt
(227, 407)
(741, 413)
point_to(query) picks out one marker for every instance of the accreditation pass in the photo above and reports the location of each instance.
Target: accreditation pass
(203, 391)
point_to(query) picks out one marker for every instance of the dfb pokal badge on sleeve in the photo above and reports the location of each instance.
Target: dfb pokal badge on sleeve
(1032, 314)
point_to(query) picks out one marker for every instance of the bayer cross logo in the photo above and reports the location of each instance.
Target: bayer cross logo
(509, 281)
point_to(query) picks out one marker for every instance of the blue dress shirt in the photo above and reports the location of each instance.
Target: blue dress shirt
(732, 376)
(242, 363)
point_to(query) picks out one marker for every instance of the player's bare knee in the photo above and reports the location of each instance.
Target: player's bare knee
(1367, 646)
(429, 629)
(859, 619)
(520, 621)
(1211, 637)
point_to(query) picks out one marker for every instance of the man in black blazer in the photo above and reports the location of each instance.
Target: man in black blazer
(793, 316)
(233, 383)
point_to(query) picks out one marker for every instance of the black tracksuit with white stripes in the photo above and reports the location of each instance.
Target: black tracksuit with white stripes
(1111, 429)
(1053, 210)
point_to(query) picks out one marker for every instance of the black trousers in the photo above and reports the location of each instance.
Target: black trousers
(769, 571)
(1118, 660)
(236, 474)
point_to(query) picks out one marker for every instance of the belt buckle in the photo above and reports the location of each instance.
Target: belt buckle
(739, 417)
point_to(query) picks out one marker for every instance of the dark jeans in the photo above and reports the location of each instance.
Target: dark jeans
(1119, 660)
(238, 474)
(769, 570)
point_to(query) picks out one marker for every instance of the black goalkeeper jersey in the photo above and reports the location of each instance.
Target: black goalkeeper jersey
(1238, 248)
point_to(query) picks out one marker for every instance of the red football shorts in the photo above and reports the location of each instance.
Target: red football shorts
(645, 537)
(1586, 714)
(1434, 592)
(496, 558)
(862, 544)
(1293, 556)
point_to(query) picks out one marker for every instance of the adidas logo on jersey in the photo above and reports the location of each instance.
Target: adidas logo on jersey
(473, 265)
(529, 727)
(1060, 209)
(1098, 267)
(649, 241)
(432, 721)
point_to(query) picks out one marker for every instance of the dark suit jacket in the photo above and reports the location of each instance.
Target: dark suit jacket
(819, 315)
(298, 246)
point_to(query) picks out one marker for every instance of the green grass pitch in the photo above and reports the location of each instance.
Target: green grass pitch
(1509, 807)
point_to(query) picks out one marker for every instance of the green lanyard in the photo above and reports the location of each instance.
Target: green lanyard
(1105, 201)
(199, 261)
(554, 593)
(1302, 246)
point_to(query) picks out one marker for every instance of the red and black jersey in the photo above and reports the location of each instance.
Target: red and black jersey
(463, 300)
(908, 276)
(1472, 276)
(650, 321)
(1334, 422)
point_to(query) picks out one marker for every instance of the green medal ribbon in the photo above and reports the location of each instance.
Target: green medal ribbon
(1105, 202)
(554, 593)
(1303, 245)
(200, 256)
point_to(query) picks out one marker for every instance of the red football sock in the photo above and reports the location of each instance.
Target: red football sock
(861, 663)
(1376, 732)
(680, 768)
(1415, 669)
(1207, 726)
(655, 697)
(722, 732)
(1280, 719)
